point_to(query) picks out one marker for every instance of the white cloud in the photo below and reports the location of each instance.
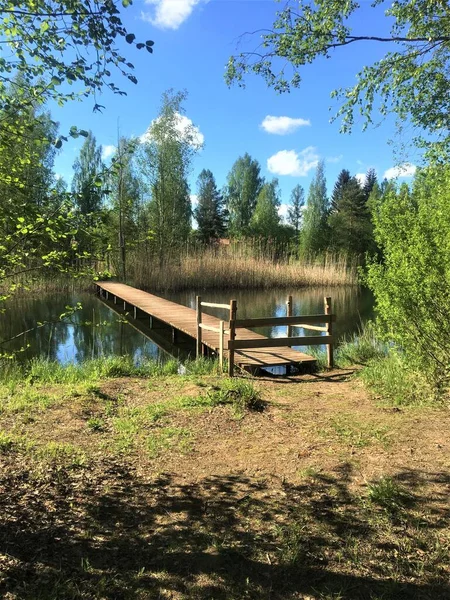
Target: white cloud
(361, 177)
(283, 125)
(405, 170)
(169, 14)
(283, 211)
(182, 125)
(108, 151)
(194, 200)
(290, 162)
(335, 159)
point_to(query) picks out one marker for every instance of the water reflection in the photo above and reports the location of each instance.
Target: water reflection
(97, 330)
(352, 306)
(93, 331)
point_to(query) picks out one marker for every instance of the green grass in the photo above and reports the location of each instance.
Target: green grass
(361, 347)
(396, 383)
(356, 434)
(388, 494)
(169, 438)
(240, 394)
(40, 370)
(26, 400)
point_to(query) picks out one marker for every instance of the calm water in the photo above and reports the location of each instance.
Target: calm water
(96, 330)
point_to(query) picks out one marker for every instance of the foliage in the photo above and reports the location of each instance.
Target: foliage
(412, 284)
(350, 224)
(244, 183)
(209, 213)
(265, 219)
(40, 38)
(314, 234)
(124, 215)
(166, 157)
(362, 347)
(87, 182)
(411, 80)
(395, 382)
(295, 210)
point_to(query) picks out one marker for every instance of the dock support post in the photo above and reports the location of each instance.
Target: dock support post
(289, 314)
(150, 324)
(134, 312)
(289, 327)
(221, 346)
(199, 329)
(330, 358)
(232, 328)
(115, 299)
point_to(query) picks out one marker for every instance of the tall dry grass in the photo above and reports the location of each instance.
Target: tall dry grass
(238, 268)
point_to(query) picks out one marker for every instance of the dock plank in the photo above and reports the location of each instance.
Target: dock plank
(184, 319)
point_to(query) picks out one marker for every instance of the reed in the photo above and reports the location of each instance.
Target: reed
(238, 267)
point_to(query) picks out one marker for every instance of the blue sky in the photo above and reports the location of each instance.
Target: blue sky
(286, 133)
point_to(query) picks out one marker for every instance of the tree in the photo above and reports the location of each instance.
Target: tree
(26, 166)
(295, 210)
(166, 157)
(265, 220)
(244, 183)
(209, 213)
(86, 182)
(369, 183)
(342, 180)
(412, 283)
(124, 201)
(350, 225)
(314, 231)
(63, 50)
(411, 80)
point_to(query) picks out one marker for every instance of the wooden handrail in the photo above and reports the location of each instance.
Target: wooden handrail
(316, 340)
(294, 321)
(214, 305)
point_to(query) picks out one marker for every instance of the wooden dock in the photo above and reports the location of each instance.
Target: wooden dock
(228, 339)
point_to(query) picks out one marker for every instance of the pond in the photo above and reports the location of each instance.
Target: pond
(97, 330)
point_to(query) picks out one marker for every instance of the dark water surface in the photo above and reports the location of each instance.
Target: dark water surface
(96, 330)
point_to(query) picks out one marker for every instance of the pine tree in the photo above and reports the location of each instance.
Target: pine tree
(370, 181)
(314, 231)
(342, 180)
(295, 210)
(350, 225)
(209, 213)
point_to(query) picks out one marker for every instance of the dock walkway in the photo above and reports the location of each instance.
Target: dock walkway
(182, 318)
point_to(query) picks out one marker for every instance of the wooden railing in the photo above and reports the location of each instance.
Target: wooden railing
(220, 330)
(308, 322)
(303, 321)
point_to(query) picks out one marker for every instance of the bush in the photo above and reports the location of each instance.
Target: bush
(412, 284)
(393, 378)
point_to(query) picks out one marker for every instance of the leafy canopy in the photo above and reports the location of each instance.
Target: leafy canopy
(63, 50)
(412, 284)
(411, 80)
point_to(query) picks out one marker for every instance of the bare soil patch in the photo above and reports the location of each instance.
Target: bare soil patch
(147, 489)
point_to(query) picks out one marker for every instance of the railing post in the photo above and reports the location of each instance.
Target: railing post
(232, 328)
(289, 327)
(329, 331)
(221, 346)
(199, 329)
(289, 314)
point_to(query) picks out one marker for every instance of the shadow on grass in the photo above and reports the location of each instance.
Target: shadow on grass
(103, 532)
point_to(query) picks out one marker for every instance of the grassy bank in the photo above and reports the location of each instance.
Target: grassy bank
(194, 486)
(238, 267)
